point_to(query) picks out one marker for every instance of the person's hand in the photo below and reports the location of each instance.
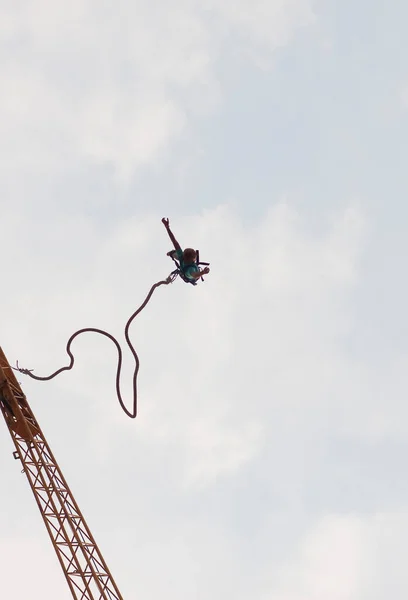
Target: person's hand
(165, 222)
(205, 271)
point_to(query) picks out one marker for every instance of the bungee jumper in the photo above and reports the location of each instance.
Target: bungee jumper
(188, 268)
(187, 261)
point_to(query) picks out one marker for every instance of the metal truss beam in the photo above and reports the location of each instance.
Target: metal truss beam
(85, 570)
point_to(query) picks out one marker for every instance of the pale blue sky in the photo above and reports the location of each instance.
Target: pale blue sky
(274, 136)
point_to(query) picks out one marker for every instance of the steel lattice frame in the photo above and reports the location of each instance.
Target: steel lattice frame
(86, 572)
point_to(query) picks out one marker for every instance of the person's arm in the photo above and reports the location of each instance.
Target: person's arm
(200, 274)
(171, 236)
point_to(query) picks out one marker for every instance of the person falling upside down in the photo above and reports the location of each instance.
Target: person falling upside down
(187, 258)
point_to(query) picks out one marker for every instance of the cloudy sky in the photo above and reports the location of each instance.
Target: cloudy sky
(268, 459)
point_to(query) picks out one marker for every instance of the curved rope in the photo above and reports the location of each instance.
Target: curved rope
(132, 414)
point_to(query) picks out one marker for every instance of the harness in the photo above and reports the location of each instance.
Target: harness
(180, 270)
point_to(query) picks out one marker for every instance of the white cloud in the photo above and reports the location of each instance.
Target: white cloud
(263, 23)
(345, 558)
(30, 569)
(404, 96)
(329, 564)
(117, 85)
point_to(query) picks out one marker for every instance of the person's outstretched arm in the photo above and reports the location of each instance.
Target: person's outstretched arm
(171, 236)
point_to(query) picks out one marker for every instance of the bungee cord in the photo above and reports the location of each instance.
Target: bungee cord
(133, 413)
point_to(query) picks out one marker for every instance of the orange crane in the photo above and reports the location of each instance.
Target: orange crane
(85, 570)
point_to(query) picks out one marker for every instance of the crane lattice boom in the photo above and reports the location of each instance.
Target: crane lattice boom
(85, 570)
